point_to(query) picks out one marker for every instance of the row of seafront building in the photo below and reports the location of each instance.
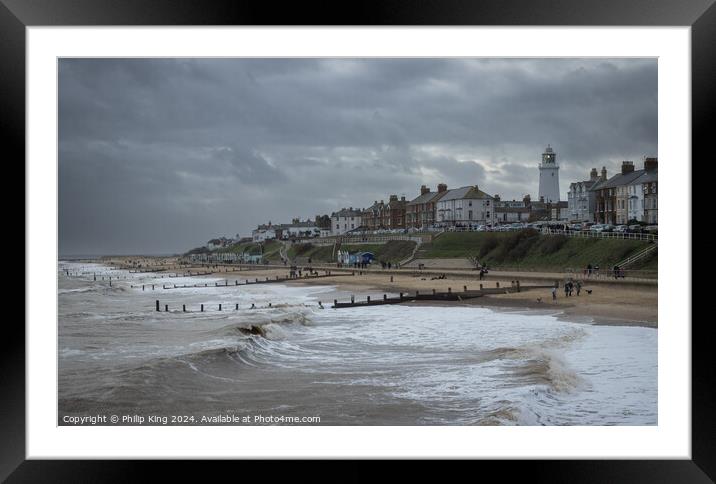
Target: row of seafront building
(630, 195)
(463, 206)
(626, 197)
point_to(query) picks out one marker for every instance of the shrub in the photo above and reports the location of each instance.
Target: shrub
(551, 244)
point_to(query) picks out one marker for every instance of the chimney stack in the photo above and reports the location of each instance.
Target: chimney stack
(627, 167)
(442, 188)
(527, 199)
(650, 163)
(402, 199)
(394, 198)
(497, 198)
(424, 190)
(593, 175)
(604, 173)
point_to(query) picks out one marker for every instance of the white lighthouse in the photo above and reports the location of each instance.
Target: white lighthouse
(549, 177)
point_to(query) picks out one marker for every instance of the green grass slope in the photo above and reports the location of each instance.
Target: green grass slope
(530, 250)
(392, 251)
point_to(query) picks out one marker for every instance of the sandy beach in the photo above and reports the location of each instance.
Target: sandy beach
(610, 302)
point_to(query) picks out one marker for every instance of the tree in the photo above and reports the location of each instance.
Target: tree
(323, 221)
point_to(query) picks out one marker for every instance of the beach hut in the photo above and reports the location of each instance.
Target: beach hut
(365, 257)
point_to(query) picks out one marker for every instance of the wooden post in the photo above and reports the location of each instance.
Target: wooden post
(157, 304)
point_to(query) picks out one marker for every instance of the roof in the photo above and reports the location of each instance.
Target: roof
(427, 198)
(650, 176)
(346, 213)
(463, 193)
(587, 183)
(618, 180)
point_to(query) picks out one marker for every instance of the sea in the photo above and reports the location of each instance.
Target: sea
(289, 361)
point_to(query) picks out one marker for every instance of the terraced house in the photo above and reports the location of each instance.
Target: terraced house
(615, 203)
(580, 199)
(393, 216)
(420, 212)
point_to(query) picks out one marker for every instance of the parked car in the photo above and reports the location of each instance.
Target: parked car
(651, 229)
(621, 229)
(635, 229)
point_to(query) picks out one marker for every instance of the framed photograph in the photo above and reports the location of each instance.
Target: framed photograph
(430, 233)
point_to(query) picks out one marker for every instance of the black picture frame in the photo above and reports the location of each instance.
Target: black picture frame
(16, 15)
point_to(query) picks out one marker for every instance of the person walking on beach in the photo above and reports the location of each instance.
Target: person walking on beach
(566, 289)
(579, 287)
(554, 293)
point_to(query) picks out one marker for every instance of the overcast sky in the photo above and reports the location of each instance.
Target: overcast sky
(160, 155)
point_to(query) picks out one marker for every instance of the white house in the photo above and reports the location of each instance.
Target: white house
(464, 206)
(580, 200)
(299, 229)
(345, 220)
(511, 211)
(263, 232)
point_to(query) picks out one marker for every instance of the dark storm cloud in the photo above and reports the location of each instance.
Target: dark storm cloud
(158, 155)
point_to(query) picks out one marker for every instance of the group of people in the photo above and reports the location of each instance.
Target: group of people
(570, 287)
(618, 272)
(589, 270)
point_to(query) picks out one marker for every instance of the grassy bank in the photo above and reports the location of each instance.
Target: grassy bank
(530, 250)
(392, 251)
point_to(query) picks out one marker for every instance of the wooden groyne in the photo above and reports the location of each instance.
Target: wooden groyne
(247, 282)
(434, 295)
